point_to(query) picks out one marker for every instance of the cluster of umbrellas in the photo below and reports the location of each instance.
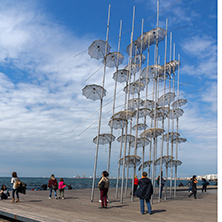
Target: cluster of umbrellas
(146, 115)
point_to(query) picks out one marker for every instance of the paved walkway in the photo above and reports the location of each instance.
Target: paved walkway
(35, 206)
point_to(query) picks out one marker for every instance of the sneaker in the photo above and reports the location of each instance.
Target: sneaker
(49, 198)
(63, 198)
(100, 201)
(55, 197)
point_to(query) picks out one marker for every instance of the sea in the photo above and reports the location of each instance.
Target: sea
(35, 183)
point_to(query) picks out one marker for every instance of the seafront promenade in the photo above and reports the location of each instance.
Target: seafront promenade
(77, 207)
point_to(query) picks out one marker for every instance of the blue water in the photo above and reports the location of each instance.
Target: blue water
(36, 183)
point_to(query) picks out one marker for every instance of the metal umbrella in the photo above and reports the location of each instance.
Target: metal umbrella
(121, 75)
(142, 112)
(117, 123)
(136, 47)
(113, 59)
(134, 87)
(133, 68)
(179, 140)
(97, 49)
(132, 104)
(145, 164)
(151, 104)
(172, 66)
(143, 81)
(140, 126)
(129, 138)
(175, 113)
(131, 160)
(152, 132)
(153, 71)
(165, 159)
(140, 142)
(175, 163)
(159, 113)
(179, 103)
(139, 59)
(104, 139)
(171, 136)
(126, 114)
(167, 98)
(94, 92)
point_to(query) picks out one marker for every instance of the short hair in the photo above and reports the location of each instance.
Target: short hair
(105, 173)
(144, 174)
(61, 179)
(14, 174)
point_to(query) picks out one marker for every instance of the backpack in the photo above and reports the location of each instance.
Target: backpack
(17, 184)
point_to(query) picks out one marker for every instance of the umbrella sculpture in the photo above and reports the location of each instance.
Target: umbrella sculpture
(134, 87)
(142, 112)
(159, 113)
(145, 164)
(153, 71)
(140, 126)
(132, 104)
(140, 142)
(121, 75)
(129, 139)
(117, 123)
(167, 99)
(113, 59)
(131, 160)
(134, 68)
(179, 103)
(172, 66)
(175, 113)
(97, 49)
(94, 92)
(139, 59)
(104, 138)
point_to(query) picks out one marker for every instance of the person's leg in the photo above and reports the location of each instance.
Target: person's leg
(55, 194)
(202, 188)
(62, 193)
(50, 192)
(142, 205)
(148, 206)
(205, 188)
(161, 190)
(104, 196)
(101, 197)
(17, 195)
(195, 194)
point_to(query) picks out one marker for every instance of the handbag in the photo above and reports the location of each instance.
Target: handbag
(54, 187)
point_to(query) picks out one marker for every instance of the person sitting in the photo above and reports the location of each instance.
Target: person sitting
(180, 185)
(4, 192)
(44, 186)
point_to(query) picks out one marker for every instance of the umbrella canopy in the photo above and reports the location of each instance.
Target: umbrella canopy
(134, 87)
(129, 138)
(104, 139)
(145, 164)
(134, 68)
(174, 163)
(153, 72)
(136, 47)
(113, 59)
(165, 159)
(140, 126)
(126, 114)
(131, 160)
(179, 103)
(179, 140)
(150, 104)
(142, 112)
(171, 136)
(117, 123)
(139, 59)
(133, 103)
(152, 132)
(152, 36)
(172, 66)
(143, 81)
(168, 98)
(140, 142)
(121, 75)
(94, 92)
(160, 113)
(175, 113)
(97, 49)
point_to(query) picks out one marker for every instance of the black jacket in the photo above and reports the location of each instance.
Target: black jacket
(145, 189)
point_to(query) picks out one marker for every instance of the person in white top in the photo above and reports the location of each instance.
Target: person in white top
(15, 189)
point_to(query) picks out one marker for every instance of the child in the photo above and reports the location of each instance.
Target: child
(62, 185)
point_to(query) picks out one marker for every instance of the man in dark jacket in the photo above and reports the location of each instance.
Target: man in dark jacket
(145, 192)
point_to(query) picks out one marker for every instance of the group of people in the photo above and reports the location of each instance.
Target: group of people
(53, 185)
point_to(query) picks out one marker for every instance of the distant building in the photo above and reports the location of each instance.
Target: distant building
(208, 177)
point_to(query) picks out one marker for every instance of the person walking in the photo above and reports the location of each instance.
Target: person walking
(62, 186)
(194, 187)
(104, 187)
(162, 184)
(15, 185)
(144, 192)
(204, 185)
(52, 185)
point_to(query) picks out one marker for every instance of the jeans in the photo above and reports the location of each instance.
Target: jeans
(142, 206)
(161, 190)
(50, 192)
(13, 193)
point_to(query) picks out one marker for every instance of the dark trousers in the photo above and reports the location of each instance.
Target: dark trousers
(4, 196)
(103, 195)
(13, 193)
(204, 188)
(194, 192)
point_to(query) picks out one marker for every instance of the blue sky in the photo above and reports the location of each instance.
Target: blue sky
(41, 81)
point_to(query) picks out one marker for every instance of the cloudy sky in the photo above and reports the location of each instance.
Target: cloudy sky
(47, 125)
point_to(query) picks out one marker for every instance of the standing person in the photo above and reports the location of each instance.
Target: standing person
(194, 187)
(62, 186)
(15, 186)
(52, 185)
(104, 187)
(135, 184)
(204, 185)
(4, 192)
(162, 184)
(144, 192)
